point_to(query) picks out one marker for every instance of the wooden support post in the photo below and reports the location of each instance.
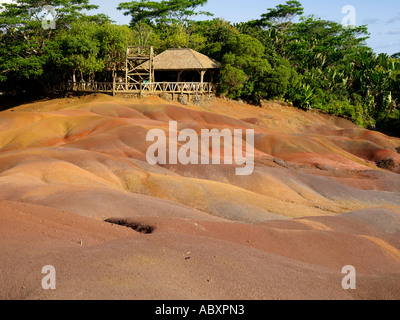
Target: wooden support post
(202, 73)
(126, 69)
(211, 85)
(113, 89)
(141, 91)
(151, 63)
(179, 75)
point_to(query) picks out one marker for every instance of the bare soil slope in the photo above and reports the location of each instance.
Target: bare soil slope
(324, 194)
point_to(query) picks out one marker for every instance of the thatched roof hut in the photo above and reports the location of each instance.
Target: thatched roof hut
(183, 60)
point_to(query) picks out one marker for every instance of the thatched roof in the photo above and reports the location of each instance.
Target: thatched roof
(183, 59)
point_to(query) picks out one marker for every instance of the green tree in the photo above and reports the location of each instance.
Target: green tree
(142, 33)
(320, 43)
(245, 57)
(278, 81)
(282, 15)
(79, 51)
(113, 41)
(26, 50)
(217, 34)
(275, 24)
(396, 55)
(87, 49)
(232, 81)
(164, 12)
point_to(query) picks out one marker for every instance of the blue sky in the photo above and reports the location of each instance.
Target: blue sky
(382, 17)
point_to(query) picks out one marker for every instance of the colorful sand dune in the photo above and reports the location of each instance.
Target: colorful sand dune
(324, 194)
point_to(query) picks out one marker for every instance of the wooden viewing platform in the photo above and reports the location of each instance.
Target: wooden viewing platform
(142, 68)
(143, 89)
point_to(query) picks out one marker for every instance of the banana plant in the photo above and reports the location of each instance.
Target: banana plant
(306, 95)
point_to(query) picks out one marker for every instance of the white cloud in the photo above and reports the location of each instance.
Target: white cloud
(370, 21)
(394, 32)
(387, 45)
(394, 19)
(384, 46)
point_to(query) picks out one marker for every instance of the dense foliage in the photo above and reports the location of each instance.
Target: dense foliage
(303, 60)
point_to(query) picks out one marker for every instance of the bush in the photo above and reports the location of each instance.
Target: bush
(232, 81)
(345, 109)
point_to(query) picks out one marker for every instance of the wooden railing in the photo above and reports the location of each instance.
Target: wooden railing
(179, 87)
(141, 88)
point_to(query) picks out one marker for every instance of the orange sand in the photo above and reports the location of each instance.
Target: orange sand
(316, 202)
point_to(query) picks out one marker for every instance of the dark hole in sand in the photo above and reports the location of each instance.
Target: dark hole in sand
(398, 149)
(388, 164)
(138, 227)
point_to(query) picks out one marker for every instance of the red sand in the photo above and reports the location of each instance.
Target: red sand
(316, 202)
